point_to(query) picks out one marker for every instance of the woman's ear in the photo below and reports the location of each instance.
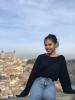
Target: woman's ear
(57, 44)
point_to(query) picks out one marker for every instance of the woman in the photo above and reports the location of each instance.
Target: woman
(47, 68)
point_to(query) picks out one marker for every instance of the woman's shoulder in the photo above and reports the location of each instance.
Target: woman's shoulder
(41, 55)
(63, 56)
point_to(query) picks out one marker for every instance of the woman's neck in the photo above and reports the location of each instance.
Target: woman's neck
(53, 54)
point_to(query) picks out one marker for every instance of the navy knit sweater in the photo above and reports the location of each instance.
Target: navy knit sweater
(50, 67)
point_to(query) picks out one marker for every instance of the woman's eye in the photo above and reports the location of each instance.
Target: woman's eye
(45, 44)
(48, 44)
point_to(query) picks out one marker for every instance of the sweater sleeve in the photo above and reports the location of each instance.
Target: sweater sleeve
(64, 78)
(32, 76)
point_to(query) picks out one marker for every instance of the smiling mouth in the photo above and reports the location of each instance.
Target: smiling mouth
(48, 49)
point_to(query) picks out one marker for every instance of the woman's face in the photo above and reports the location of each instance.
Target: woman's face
(49, 46)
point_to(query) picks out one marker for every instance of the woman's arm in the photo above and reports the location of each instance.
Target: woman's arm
(31, 78)
(65, 78)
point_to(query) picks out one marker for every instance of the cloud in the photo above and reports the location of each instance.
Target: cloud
(35, 15)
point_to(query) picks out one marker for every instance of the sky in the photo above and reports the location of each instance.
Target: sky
(25, 23)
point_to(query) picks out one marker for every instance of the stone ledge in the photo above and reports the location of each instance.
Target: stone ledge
(59, 97)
